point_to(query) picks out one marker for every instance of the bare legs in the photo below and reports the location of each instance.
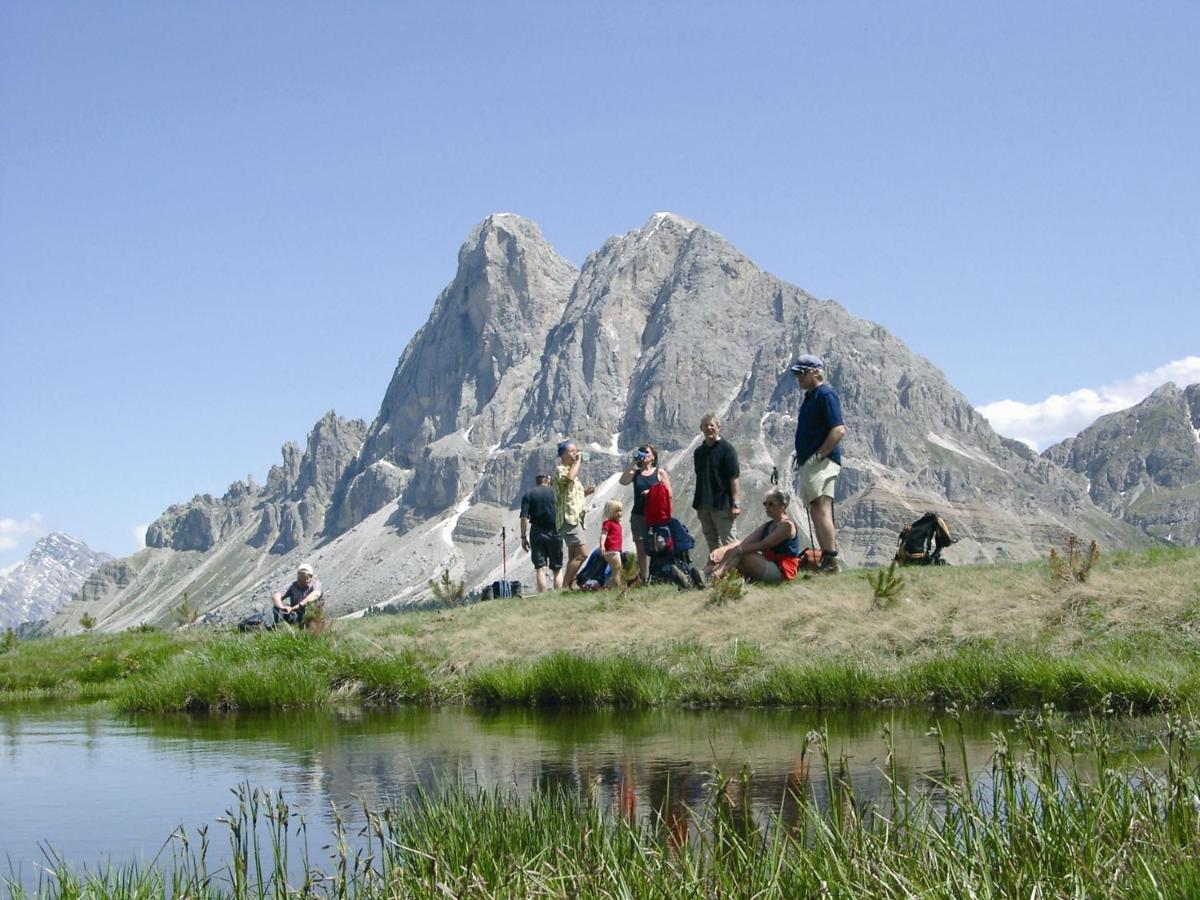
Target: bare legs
(822, 520)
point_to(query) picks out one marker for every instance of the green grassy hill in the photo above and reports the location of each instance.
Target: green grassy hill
(1007, 635)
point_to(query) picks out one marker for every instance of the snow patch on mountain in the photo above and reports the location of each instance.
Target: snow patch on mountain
(45, 581)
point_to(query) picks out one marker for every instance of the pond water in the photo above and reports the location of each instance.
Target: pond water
(94, 786)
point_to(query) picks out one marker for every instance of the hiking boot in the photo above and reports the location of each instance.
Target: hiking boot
(829, 565)
(697, 578)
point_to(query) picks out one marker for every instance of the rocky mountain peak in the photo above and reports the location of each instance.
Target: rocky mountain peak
(466, 371)
(661, 325)
(1143, 463)
(56, 567)
(289, 507)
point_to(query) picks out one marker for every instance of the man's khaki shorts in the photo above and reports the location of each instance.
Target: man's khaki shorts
(571, 534)
(818, 478)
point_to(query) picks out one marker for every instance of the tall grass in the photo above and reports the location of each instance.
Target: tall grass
(1049, 817)
(280, 669)
(85, 665)
(291, 669)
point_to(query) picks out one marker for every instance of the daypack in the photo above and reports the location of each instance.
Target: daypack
(668, 547)
(259, 621)
(922, 542)
(658, 505)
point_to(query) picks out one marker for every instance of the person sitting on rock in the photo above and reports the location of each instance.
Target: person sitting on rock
(291, 601)
(770, 554)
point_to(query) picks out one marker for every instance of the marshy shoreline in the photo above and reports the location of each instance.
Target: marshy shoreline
(1002, 636)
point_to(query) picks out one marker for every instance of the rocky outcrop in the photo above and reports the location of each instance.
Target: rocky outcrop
(289, 509)
(659, 326)
(1142, 464)
(40, 585)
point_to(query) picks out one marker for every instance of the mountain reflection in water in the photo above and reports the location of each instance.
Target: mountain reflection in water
(94, 786)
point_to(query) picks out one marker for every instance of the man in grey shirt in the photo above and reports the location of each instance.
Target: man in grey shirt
(291, 601)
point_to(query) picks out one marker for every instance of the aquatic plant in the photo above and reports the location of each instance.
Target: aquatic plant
(1049, 816)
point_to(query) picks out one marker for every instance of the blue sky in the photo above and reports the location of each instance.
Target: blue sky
(219, 220)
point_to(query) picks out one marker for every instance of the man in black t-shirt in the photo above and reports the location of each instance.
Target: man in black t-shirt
(718, 497)
(539, 536)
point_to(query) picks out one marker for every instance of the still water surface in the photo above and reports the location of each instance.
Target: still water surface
(97, 786)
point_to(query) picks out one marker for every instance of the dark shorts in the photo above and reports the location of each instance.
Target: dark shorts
(545, 549)
(295, 617)
(637, 524)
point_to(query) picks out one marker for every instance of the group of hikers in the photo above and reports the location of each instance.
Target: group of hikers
(553, 512)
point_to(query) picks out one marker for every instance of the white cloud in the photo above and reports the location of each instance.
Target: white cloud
(13, 531)
(1065, 415)
(139, 535)
(9, 569)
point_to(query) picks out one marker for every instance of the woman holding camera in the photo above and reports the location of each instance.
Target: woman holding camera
(643, 473)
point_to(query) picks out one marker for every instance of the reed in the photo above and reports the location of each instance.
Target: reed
(1050, 816)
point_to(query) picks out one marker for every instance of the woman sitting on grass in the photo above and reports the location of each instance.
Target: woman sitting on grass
(770, 554)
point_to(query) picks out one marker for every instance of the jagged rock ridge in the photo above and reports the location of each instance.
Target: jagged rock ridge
(45, 581)
(1143, 463)
(659, 326)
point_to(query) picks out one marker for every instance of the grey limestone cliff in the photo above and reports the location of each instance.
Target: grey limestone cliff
(1142, 464)
(659, 326)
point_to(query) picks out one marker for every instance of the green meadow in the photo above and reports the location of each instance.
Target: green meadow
(1008, 636)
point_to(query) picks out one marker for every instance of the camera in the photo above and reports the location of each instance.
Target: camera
(585, 456)
(641, 456)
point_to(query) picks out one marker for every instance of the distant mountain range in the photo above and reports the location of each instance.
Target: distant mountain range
(659, 326)
(41, 585)
(1143, 464)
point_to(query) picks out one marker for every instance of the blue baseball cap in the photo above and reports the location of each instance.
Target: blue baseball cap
(806, 362)
(562, 447)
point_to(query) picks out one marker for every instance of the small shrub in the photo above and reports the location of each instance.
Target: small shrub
(9, 641)
(1075, 565)
(886, 586)
(446, 590)
(87, 621)
(727, 588)
(315, 622)
(185, 613)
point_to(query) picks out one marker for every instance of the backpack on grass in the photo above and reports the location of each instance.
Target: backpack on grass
(922, 542)
(669, 548)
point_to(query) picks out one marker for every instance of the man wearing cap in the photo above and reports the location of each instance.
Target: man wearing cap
(290, 602)
(819, 432)
(539, 533)
(570, 498)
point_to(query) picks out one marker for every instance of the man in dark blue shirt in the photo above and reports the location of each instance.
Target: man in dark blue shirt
(819, 432)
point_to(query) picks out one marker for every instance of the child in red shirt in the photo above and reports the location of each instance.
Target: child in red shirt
(611, 541)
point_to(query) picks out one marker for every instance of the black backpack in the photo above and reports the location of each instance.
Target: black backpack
(922, 542)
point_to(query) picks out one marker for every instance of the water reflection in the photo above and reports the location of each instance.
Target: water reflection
(94, 785)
